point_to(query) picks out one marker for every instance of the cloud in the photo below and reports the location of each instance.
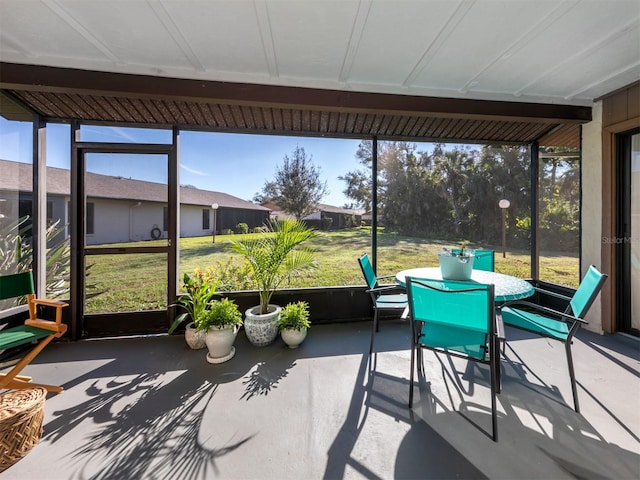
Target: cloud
(194, 171)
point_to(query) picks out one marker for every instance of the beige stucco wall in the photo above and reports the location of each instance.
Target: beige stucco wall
(592, 205)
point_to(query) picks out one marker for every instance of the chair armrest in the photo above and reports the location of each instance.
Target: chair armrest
(552, 294)
(385, 288)
(60, 328)
(386, 276)
(563, 316)
(50, 303)
(56, 325)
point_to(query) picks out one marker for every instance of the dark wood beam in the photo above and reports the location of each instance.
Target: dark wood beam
(66, 80)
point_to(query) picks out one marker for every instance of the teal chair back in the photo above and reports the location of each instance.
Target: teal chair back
(456, 318)
(367, 271)
(587, 292)
(485, 259)
(16, 285)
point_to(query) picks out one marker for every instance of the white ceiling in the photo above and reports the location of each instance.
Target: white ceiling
(548, 51)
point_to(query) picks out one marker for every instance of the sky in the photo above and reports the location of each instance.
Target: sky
(237, 164)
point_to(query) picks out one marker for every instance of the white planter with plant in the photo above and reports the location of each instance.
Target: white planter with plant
(198, 294)
(274, 256)
(294, 323)
(221, 323)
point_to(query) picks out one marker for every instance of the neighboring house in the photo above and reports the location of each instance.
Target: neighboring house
(326, 217)
(121, 209)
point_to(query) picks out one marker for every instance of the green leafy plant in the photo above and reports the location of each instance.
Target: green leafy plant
(16, 255)
(242, 228)
(230, 276)
(220, 313)
(294, 316)
(277, 255)
(199, 294)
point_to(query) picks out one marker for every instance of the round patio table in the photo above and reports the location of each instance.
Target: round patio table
(506, 287)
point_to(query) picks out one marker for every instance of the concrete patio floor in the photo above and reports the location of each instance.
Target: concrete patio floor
(152, 408)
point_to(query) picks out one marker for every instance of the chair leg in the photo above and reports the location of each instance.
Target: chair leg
(413, 353)
(498, 373)
(7, 378)
(572, 375)
(494, 371)
(373, 330)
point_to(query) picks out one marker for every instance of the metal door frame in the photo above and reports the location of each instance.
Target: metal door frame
(130, 323)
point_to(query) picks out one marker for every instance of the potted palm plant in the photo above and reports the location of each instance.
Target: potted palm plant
(221, 322)
(293, 323)
(274, 256)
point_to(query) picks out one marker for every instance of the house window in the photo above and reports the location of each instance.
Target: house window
(165, 219)
(205, 219)
(49, 213)
(90, 218)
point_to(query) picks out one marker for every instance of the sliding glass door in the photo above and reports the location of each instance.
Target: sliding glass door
(628, 239)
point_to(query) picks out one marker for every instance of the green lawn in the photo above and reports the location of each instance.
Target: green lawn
(138, 282)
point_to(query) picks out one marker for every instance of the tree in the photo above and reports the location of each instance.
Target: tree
(359, 181)
(268, 194)
(297, 187)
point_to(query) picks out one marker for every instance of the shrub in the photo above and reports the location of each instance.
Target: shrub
(326, 223)
(242, 228)
(226, 231)
(230, 276)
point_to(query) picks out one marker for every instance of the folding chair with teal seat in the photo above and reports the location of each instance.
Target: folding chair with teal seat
(33, 329)
(560, 326)
(484, 259)
(386, 297)
(457, 319)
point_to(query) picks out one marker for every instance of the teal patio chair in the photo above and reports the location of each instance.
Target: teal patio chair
(485, 259)
(556, 325)
(386, 297)
(453, 318)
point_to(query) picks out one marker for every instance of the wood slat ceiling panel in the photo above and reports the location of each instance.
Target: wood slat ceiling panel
(564, 136)
(273, 119)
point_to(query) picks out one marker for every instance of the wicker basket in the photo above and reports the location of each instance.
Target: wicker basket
(21, 414)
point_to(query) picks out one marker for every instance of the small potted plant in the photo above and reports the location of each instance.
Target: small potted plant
(199, 293)
(294, 322)
(221, 322)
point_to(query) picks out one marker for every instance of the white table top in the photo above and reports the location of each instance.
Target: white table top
(506, 287)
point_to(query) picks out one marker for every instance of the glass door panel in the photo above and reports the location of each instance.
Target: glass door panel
(126, 242)
(634, 232)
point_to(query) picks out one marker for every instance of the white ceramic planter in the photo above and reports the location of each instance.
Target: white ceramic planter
(194, 338)
(261, 330)
(293, 337)
(220, 343)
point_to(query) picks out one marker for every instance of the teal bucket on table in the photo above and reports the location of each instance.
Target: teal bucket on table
(454, 267)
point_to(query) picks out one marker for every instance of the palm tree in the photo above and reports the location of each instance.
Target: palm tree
(277, 255)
